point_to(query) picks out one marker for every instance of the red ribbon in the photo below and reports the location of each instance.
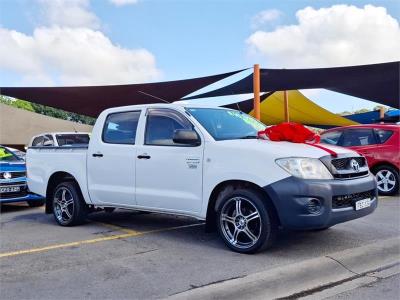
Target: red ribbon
(331, 152)
(295, 133)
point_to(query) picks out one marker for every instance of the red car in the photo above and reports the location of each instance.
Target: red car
(379, 143)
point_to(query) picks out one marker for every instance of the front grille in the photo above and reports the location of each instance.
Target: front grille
(350, 175)
(343, 201)
(344, 163)
(13, 174)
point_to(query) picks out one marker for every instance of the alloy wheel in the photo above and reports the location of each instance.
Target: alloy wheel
(386, 180)
(63, 205)
(240, 222)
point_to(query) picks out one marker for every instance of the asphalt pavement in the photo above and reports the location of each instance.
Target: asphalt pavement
(130, 255)
(388, 288)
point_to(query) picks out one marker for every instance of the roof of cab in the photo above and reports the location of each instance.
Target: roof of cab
(178, 105)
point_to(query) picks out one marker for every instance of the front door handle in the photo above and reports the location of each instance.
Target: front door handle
(144, 156)
(97, 155)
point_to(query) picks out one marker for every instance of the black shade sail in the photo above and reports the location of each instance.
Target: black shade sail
(378, 82)
(91, 100)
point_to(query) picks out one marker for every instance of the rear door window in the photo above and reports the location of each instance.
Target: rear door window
(120, 128)
(358, 137)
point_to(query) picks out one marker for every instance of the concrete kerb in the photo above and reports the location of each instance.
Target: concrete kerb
(307, 275)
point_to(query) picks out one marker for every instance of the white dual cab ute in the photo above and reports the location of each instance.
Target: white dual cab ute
(207, 163)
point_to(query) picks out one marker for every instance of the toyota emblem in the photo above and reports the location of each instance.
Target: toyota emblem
(7, 175)
(355, 165)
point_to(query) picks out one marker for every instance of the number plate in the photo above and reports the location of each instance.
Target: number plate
(363, 204)
(10, 189)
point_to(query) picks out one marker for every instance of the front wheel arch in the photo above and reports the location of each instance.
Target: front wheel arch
(225, 187)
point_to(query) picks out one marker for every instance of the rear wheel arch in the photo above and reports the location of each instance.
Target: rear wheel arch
(225, 187)
(55, 179)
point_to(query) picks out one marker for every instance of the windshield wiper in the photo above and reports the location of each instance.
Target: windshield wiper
(249, 137)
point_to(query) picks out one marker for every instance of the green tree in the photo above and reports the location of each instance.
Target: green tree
(16, 103)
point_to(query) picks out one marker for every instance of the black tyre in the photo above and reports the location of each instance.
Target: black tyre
(245, 223)
(69, 208)
(36, 203)
(387, 178)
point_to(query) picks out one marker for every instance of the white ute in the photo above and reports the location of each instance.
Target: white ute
(207, 163)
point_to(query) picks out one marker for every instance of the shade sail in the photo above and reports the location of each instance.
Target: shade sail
(374, 117)
(91, 100)
(365, 118)
(377, 82)
(301, 110)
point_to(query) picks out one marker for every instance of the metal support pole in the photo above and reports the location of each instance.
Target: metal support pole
(286, 105)
(256, 91)
(382, 114)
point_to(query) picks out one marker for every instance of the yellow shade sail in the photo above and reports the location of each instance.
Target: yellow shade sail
(301, 110)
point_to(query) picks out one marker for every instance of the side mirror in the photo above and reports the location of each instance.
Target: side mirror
(186, 137)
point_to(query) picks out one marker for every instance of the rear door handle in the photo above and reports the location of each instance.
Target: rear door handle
(97, 155)
(144, 156)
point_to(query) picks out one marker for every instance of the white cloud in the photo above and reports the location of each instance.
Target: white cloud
(123, 2)
(68, 13)
(265, 16)
(334, 36)
(69, 50)
(73, 56)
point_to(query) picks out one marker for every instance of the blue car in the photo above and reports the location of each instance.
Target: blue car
(13, 187)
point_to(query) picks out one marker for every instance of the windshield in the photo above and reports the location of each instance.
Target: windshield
(227, 124)
(72, 139)
(7, 156)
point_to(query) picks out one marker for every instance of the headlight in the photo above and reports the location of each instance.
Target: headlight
(306, 168)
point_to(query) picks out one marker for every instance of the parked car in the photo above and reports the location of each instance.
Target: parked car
(13, 187)
(207, 163)
(60, 139)
(379, 143)
(19, 153)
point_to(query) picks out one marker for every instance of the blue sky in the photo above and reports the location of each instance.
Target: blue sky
(167, 40)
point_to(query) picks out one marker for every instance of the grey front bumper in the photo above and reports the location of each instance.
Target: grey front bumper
(291, 198)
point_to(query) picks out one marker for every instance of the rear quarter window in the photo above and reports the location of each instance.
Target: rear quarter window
(383, 135)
